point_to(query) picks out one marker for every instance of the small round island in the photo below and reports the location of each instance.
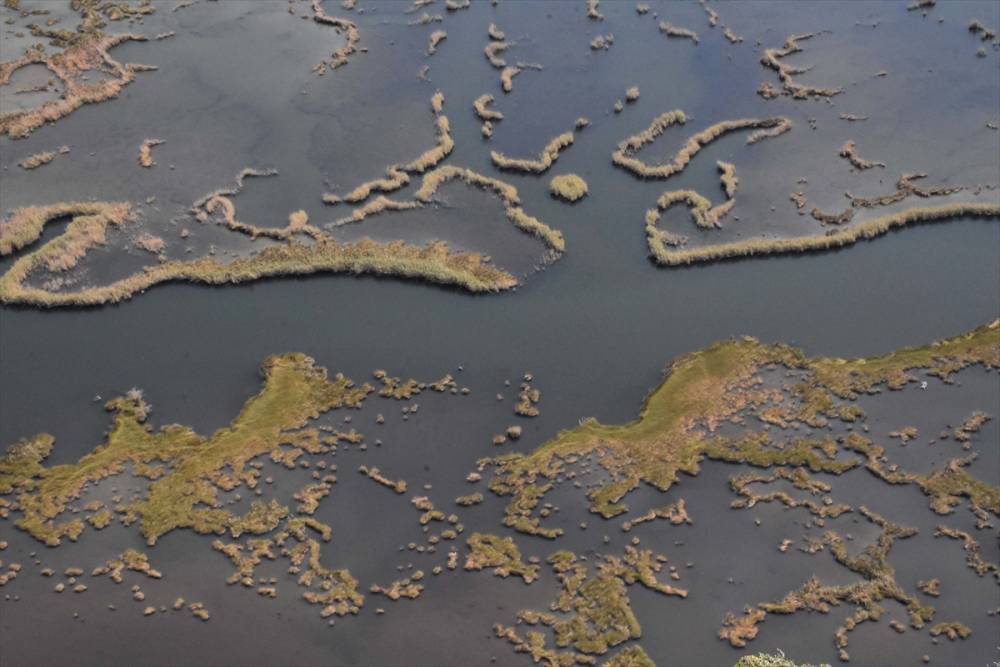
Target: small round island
(569, 187)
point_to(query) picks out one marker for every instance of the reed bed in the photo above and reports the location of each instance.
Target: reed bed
(786, 73)
(849, 152)
(592, 10)
(434, 263)
(623, 156)
(37, 160)
(670, 30)
(398, 175)
(436, 38)
(569, 187)
(548, 156)
(481, 105)
(868, 230)
(507, 78)
(339, 57)
(24, 225)
(146, 152)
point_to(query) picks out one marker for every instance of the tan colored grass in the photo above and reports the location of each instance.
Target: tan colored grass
(870, 229)
(89, 51)
(786, 73)
(850, 153)
(150, 243)
(37, 160)
(548, 156)
(592, 10)
(24, 225)
(436, 38)
(146, 152)
(568, 186)
(670, 30)
(624, 155)
(339, 57)
(398, 175)
(493, 51)
(507, 78)
(481, 105)
(632, 94)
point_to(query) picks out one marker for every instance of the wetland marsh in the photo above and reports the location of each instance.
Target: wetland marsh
(399, 333)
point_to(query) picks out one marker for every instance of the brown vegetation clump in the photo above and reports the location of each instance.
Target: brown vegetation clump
(624, 155)
(546, 158)
(150, 243)
(495, 33)
(632, 94)
(493, 50)
(436, 38)
(592, 10)
(786, 73)
(731, 36)
(341, 55)
(569, 187)
(849, 152)
(146, 152)
(977, 28)
(971, 546)
(670, 30)
(37, 160)
(507, 78)
(399, 486)
(602, 42)
(482, 103)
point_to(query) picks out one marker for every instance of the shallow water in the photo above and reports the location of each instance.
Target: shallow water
(596, 327)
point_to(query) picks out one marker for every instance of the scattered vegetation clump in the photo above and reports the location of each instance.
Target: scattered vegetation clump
(150, 243)
(952, 630)
(632, 94)
(976, 27)
(798, 478)
(971, 547)
(569, 187)
(469, 500)
(130, 559)
(670, 30)
(507, 78)
(624, 156)
(769, 660)
(402, 588)
(592, 10)
(546, 158)
(499, 553)
(37, 160)
(849, 152)
(676, 513)
(878, 584)
(436, 38)
(146, 152)
(786, 73)
(495, 32)
(399, 486)
(602, 42)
